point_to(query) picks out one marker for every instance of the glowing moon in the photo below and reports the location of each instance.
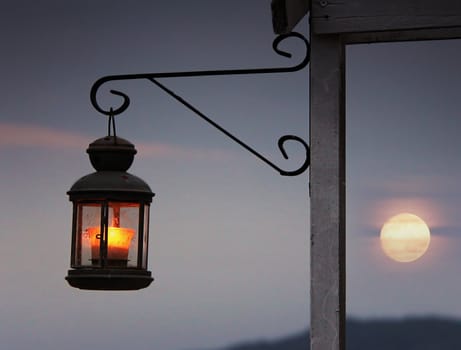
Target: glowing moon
(405, 237)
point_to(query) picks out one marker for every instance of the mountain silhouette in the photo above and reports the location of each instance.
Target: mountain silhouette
(412, 333)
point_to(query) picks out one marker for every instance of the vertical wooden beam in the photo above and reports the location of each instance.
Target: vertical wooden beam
(327, 186)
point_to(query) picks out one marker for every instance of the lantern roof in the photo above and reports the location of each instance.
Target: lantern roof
(110, 184)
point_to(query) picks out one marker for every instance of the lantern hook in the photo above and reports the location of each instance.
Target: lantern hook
(111, 125)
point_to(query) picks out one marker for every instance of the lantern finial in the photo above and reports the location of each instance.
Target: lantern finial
(111, 153)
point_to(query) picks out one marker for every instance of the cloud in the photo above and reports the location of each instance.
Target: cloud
(29, 135)
(436, 183)
(171, 151)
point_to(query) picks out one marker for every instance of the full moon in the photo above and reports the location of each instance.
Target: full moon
(405, 237)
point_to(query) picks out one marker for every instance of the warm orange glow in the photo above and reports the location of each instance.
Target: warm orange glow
(118, 242)
(405, 237)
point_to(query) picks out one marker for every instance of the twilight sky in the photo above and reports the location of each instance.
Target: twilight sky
(229, 236)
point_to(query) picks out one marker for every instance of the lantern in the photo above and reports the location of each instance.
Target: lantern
(110, 225)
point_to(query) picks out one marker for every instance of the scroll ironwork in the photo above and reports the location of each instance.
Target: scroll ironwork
(154, 76)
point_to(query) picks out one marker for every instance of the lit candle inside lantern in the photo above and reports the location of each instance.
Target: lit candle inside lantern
(118, 242)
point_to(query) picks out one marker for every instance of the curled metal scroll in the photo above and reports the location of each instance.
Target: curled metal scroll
(153, 76)
(307, 161)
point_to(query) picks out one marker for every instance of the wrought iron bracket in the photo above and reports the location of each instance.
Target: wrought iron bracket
(154, 76)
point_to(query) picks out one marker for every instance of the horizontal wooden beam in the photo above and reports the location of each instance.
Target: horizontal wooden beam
(403, 35)
(353, 16)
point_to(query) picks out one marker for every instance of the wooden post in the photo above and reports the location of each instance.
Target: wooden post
(327, 188)
(333, 25)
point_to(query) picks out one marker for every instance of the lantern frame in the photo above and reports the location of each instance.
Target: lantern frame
(109, 190)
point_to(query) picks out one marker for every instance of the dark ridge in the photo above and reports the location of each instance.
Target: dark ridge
(411, 333)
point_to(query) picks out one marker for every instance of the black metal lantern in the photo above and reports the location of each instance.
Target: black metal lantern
(110, 226)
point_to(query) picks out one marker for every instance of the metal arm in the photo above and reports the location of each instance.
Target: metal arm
(153, 76)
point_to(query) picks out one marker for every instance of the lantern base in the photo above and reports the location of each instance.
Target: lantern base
(109, 279)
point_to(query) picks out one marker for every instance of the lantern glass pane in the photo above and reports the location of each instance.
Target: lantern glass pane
(88, 220)
(145, 236)
(122, 240)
